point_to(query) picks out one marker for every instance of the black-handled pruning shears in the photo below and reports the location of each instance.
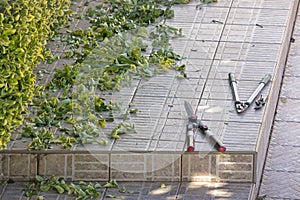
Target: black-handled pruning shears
(242, 106)
(194, 124)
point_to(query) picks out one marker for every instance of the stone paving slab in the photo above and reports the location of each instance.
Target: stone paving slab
(146, 190)
(281, 175)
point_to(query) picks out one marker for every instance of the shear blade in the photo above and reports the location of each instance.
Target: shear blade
(188, 109)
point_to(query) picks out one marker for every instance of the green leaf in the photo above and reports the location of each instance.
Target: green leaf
(39, 178)
(111, 196)
(10, 181)
(59, 189)
(123, 189)
(45, 188)
(9, 31)
(133, 111)
(103, 142)
(102, 123)
(283, 99)
(111, 184)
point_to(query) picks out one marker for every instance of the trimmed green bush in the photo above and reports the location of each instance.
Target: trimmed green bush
(25, 28)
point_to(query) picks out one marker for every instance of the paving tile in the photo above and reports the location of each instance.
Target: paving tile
(199, 167)
(125, 145)
(20, 167)
(288, 110)
(207, 14)
(146, 167)
(198, 49)
(294, 48)
(253, 33)
(266, 4)
(145, 190)
(208, 191)
(14, 192)
(264, 17)
(280, 185)
(55, 164)
(283, 158)
(286, 134)
(90, 167)
(243, 71)
(290, 87)
(248, 51)
(292, 68)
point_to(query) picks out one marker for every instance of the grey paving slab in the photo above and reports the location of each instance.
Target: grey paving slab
(286, 134)
(290, 88)
(248, 51)
(198, 31)
(265, 4)
(243, 70)
(253, 33)
(197, 49)
(292, 68)
(288, 110)
(196, 68)
(280, 178)
(147, 190)
(205, 191)
(227, 113)
(141, 191)
(280, 185)
(224, 3)
(254, 17)
(190, 14)
(282, 158)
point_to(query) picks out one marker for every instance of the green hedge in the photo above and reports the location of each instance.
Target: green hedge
(25, 28)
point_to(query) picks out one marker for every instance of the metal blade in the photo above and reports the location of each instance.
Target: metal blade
(188, 108)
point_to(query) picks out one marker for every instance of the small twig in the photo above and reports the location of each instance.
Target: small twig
(259, 25)
(216, 22)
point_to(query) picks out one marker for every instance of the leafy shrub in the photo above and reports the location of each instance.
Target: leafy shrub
(25, 28)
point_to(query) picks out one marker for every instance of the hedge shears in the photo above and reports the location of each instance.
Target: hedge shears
(193, 127)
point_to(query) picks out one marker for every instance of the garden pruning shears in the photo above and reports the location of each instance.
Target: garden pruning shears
(242, 106)
(194, 125)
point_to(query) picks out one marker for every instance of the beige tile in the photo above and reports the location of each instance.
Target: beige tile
(196, 167)
(235, 158)
(234, 176)
(165, 167)
(91, 167)
(21, 166)
(53, 164)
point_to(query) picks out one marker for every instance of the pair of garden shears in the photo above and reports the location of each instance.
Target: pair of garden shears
(242, 106)
(193, 127)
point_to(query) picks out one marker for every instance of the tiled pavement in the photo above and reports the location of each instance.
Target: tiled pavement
(149, 191)
(247, 37)
(281, 178)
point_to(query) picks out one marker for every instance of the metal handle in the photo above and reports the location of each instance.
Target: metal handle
(190, 141)
(237, 102)
(215, 141)
(231, 77)
(233, 85)
(264, 81)
(211, 137)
